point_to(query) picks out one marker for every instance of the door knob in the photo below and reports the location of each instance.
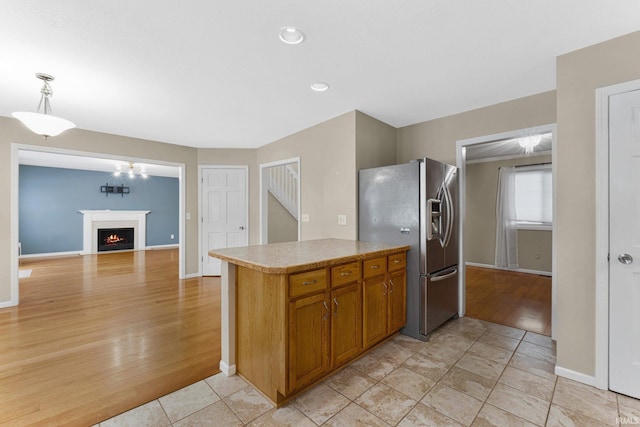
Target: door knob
(625, 258)
(241, 227)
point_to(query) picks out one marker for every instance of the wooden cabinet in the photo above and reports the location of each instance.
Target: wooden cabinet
(384, 296)
(293, 328)
(346, 323)
(308, 339)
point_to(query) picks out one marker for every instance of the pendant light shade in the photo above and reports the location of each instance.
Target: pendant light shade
(44, 123)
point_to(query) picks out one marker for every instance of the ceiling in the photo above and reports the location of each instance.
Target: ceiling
(214, 73)
(506, 148)
(70, 161)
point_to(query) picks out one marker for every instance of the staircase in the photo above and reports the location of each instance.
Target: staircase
(283, 185)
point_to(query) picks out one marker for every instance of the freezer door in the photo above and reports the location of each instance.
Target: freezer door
(439, 294)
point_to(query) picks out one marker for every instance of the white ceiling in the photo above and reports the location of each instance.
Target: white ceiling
(506, 148)
(213, 73)
(70, 161)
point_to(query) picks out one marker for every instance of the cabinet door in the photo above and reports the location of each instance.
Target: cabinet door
(374, 308)
(397, 300)
(308, 339)
(346, 323)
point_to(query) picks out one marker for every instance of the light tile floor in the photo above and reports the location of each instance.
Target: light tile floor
(470, 373)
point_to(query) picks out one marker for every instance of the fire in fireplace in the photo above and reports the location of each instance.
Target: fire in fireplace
(115, 239)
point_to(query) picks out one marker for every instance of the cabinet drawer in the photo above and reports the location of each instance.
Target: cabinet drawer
(374, 267)
(344, 274)
(307, 283)
(397, 261)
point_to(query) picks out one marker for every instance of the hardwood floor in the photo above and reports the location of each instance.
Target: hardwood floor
(97, 335)
(519, 300)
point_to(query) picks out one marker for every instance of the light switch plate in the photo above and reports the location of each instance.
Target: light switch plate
(304, 217)
(342, 220)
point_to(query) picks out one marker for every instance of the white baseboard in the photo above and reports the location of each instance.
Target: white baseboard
(51, 254)
(520, 270)
(171, 246)
(192, 275)
(226, 369)
(577, 376)
(5, 304)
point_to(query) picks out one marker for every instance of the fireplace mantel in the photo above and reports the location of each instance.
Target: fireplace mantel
(94, 219)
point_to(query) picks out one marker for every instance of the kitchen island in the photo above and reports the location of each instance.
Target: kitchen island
(294, 312)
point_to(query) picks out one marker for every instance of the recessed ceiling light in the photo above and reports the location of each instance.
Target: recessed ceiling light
(290, 35)
(319, 87)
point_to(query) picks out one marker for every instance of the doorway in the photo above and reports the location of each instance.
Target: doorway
(479, 160)
(610, 149)
(85, 158)
(280, 201)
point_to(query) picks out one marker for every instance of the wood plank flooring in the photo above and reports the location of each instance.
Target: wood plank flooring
(97, 335)
(509, 298)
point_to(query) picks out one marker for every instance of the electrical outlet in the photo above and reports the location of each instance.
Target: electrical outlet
(304, 217)
(342, 220)
(187, 216)
(537, 256)
(172, 237)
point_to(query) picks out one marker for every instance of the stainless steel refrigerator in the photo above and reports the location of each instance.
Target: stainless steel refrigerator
(416, 204)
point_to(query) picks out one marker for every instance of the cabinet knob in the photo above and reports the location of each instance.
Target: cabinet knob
(345, 273)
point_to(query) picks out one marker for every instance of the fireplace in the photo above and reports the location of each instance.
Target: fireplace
(92, 221)
(115, 239)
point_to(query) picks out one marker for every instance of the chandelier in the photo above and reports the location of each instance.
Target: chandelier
(131, 169)
(44, 123)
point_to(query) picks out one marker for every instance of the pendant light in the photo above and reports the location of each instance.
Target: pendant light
(44, 123)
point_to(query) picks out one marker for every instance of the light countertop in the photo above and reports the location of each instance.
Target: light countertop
(289, 257)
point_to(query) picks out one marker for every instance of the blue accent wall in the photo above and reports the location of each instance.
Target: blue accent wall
(50, 199)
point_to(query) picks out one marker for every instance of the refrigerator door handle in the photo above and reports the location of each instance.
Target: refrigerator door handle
(444, 276)
(449, 217)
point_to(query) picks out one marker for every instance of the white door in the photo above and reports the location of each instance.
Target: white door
(624, 243)
(224, 213)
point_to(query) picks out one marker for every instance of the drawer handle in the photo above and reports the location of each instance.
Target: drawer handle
(373, 267)
(396, 261)
(324, 303)
(345, 273)
(390, 286)
(309, 282)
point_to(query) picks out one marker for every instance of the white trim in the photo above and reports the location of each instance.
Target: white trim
(226, 369)
(461, 162)
(92, 220)
(602, 228)
(228, 335)
(199, 218)
(534, 227)
(160, 247)
(6, 304)
(511, 157)
(51, 254)
(192, 275)
(576, 376)
(264, 229)
(519, 270)
(14, 196)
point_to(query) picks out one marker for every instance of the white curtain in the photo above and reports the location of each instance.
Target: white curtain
(506, 231)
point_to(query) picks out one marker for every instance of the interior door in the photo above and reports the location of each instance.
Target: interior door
(624, 243)
(224, 213)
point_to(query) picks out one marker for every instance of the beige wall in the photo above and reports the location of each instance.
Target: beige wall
(282, 226)
(375, 142)
(437, 138)
(12, 131)
(327, 175)
(534, 246)
(579, 74)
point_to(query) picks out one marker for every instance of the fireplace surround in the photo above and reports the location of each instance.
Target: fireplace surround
(101, 219)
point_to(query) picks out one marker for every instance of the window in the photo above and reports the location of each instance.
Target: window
(534, 197)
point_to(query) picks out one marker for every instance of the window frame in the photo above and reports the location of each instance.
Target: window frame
(529, 225)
